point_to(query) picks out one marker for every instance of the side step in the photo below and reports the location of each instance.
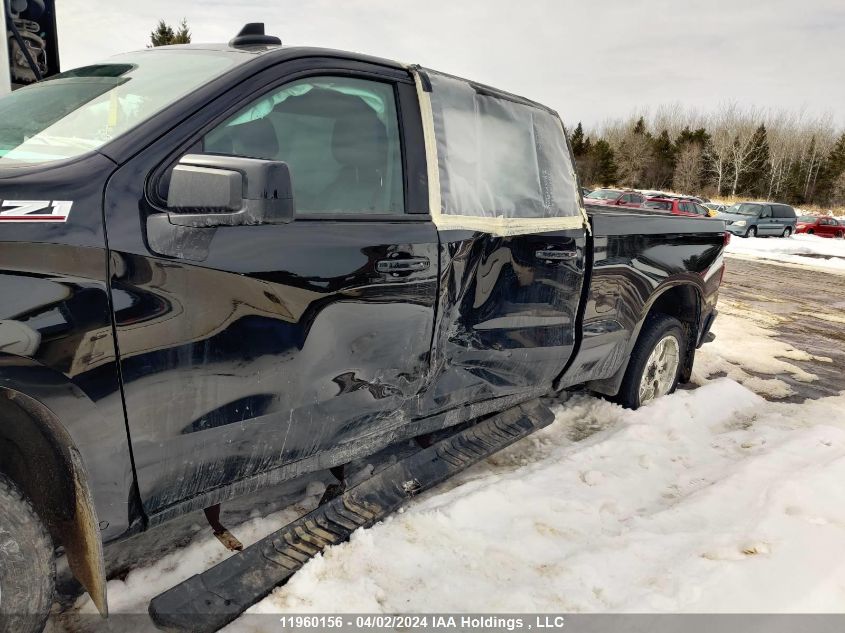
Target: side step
(209, 601)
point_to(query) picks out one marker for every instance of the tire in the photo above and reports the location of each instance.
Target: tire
(787, 232)
(810, 232)
(27, 567)
(751, 232)
(839, 235)
(656, 329)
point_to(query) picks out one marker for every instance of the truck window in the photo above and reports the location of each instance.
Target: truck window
(499, 157)
(338, 135)
(79, 111)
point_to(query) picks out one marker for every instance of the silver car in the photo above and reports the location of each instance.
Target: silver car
(750, 219)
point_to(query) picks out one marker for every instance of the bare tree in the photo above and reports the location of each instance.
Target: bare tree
(782, 127)
(822, 139)
(721, 145)
(634, 155)
(742, 124)
(688, 167)
(838, 194)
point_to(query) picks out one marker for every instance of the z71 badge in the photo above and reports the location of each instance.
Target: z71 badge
(35, 210)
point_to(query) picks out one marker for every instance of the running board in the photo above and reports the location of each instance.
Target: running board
(209, 601)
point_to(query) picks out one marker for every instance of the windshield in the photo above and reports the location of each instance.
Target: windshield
(604, 194)
(745, 208)
(80, 110)
(807, 218)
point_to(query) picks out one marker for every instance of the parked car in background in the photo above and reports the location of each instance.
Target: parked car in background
(714, 208)
(676, 206)
(823, 226)
(585, 191)
(750, 219)
(616, 197)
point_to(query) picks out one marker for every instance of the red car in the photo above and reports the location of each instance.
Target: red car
(821, 226)
(676, 206)
(615, 197)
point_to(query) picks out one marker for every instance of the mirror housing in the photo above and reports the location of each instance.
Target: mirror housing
(209, 190)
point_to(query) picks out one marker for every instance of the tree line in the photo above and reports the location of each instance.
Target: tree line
(735, 151)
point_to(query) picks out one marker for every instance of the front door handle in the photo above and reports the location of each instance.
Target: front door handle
(554, 255)
(407, 265)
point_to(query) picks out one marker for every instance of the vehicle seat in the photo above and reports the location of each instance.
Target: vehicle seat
(359, 144)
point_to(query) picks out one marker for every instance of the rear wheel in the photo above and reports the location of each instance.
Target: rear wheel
(27, 568)
(751, 232)
(840, 235)
(655, 364)
(787, 232)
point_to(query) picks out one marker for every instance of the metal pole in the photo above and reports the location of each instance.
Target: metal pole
(5, 70)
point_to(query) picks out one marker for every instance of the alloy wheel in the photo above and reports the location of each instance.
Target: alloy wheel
(661, 368)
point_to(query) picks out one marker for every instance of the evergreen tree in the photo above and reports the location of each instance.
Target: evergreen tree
(755, 180)
(578, 141)
(605, 163)
(164, 35)
(585, 163)
(699, 136)
(832, 174)
(640, 128)
(183, 34)
(663, 162)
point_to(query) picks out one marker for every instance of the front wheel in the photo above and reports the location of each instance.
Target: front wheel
(655, 364)
(839, 235)
(27, 568)
(751, 232)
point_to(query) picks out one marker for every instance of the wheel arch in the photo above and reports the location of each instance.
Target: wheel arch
(57, 486)
(681, 299)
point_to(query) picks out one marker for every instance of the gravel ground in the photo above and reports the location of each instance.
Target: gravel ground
(808, 307)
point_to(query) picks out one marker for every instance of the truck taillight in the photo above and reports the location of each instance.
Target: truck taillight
(727, 239)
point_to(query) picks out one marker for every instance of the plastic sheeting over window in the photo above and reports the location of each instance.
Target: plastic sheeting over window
(503, 166)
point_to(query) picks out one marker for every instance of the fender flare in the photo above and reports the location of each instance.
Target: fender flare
(32, 433)
(610, 386)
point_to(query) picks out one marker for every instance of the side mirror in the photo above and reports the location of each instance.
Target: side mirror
(208, 190)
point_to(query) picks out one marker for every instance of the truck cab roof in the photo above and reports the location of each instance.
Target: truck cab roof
(277, 52)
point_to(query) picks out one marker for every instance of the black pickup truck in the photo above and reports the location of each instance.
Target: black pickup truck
(224, 266)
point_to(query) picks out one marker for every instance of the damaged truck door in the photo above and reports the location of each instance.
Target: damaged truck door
(260, 345)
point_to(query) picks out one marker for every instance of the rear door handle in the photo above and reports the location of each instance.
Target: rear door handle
(407, 265)
(551, 254)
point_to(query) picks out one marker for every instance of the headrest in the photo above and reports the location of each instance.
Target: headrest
(360, 140)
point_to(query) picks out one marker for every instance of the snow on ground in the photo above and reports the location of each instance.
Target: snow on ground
(757, 360)
(807, 250)
(710, 500)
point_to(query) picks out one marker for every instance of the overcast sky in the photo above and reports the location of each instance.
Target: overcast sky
(589, 60)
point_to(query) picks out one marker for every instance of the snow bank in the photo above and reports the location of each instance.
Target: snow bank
(806, 250)
(708, 500)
